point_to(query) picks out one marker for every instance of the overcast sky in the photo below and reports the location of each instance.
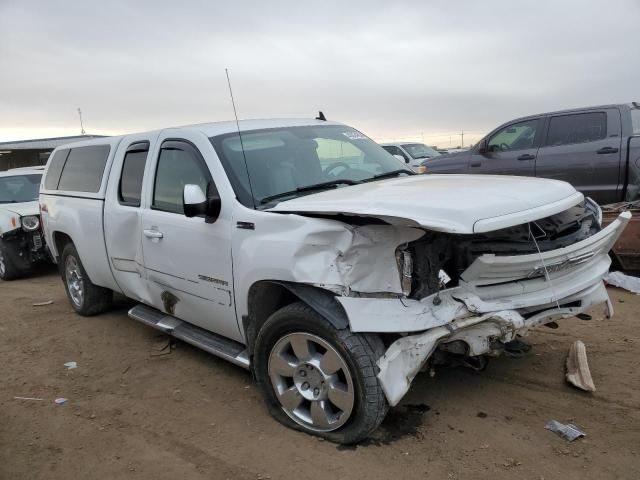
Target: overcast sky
(392, 69)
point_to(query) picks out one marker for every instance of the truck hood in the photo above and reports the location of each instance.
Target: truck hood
(21, 209)
(444, 203)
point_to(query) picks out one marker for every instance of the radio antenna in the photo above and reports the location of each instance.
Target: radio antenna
(81, 126)
(244, 156)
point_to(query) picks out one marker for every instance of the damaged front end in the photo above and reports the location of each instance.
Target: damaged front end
(24, 247)
(498, 285)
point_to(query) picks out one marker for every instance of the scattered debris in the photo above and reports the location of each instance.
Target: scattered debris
(620, 280)
(481, 415)
(126, 369)
(60, 401)
(516, 348)
(569, 431)
(28, 398)
(71, 365)
(161, 346)
(42, 304)
(578, 373)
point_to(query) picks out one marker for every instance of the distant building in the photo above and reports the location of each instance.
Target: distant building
(27, 153)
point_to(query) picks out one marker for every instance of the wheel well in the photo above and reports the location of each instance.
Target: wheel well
(266, 297)
(60, 240)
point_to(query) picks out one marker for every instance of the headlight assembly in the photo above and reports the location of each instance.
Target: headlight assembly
(30, 223)
(595, 208)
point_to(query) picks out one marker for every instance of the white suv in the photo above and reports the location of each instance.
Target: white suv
(302, 250)
(21, 243)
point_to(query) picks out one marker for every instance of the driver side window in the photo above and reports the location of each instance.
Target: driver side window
(517, 136)
(179, 164)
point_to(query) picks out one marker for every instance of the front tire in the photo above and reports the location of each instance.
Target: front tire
(8, 270)
(318, 379)
(86, 298)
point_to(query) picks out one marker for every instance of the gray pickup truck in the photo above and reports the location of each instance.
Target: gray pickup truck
(596, 149)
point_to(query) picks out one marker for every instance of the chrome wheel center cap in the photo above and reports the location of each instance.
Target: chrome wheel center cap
(311, 382)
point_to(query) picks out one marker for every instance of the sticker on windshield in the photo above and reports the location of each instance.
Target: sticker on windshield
(354, 135)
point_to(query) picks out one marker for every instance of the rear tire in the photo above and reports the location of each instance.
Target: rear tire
(8, 270)
(318, 379)
(86, 298)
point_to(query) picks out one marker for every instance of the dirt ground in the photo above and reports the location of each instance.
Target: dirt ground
(133, 412)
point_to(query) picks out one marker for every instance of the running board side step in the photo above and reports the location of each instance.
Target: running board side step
(217, 345)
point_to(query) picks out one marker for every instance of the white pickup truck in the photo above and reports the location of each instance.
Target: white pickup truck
(303, 251)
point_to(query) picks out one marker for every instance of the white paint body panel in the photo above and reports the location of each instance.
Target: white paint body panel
(11, 212)
(445, 203)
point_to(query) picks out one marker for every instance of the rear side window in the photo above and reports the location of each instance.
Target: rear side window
(179, 164)
(84, 168)
(578, 128)
(130, 189)
(56, 164)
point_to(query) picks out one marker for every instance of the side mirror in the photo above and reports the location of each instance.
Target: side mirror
(482, 147)
(196, 203)
(400, 157)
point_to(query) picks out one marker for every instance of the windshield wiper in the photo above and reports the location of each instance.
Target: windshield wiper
(392, 173)
(309, 188)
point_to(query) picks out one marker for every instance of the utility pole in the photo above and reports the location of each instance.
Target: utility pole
(462, 137)
(82, 132)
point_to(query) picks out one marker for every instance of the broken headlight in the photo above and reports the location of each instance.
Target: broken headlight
(30, 223)
(595, 208)
(405, 265)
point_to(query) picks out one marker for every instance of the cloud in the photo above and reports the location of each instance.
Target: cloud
(392, 69)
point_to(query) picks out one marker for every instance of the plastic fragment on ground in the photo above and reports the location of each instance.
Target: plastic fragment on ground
(568, 432)
(71, 365)
(578, 373)
(619, 279)
(60, 401)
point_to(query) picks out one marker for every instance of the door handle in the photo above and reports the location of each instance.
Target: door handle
(605, 150)
(526, 156)
(152, 234)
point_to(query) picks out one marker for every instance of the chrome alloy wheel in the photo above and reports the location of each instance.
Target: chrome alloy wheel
(73, 277)
(3, 265)
(311, 381)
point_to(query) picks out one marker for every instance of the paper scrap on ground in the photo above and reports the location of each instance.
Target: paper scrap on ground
(71, 365)
(42, 304)
(569, 431)
(619, 279)
(60, 401)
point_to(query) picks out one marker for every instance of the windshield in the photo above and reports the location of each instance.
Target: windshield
(420, 150)
(19, 188)
(282, 160)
